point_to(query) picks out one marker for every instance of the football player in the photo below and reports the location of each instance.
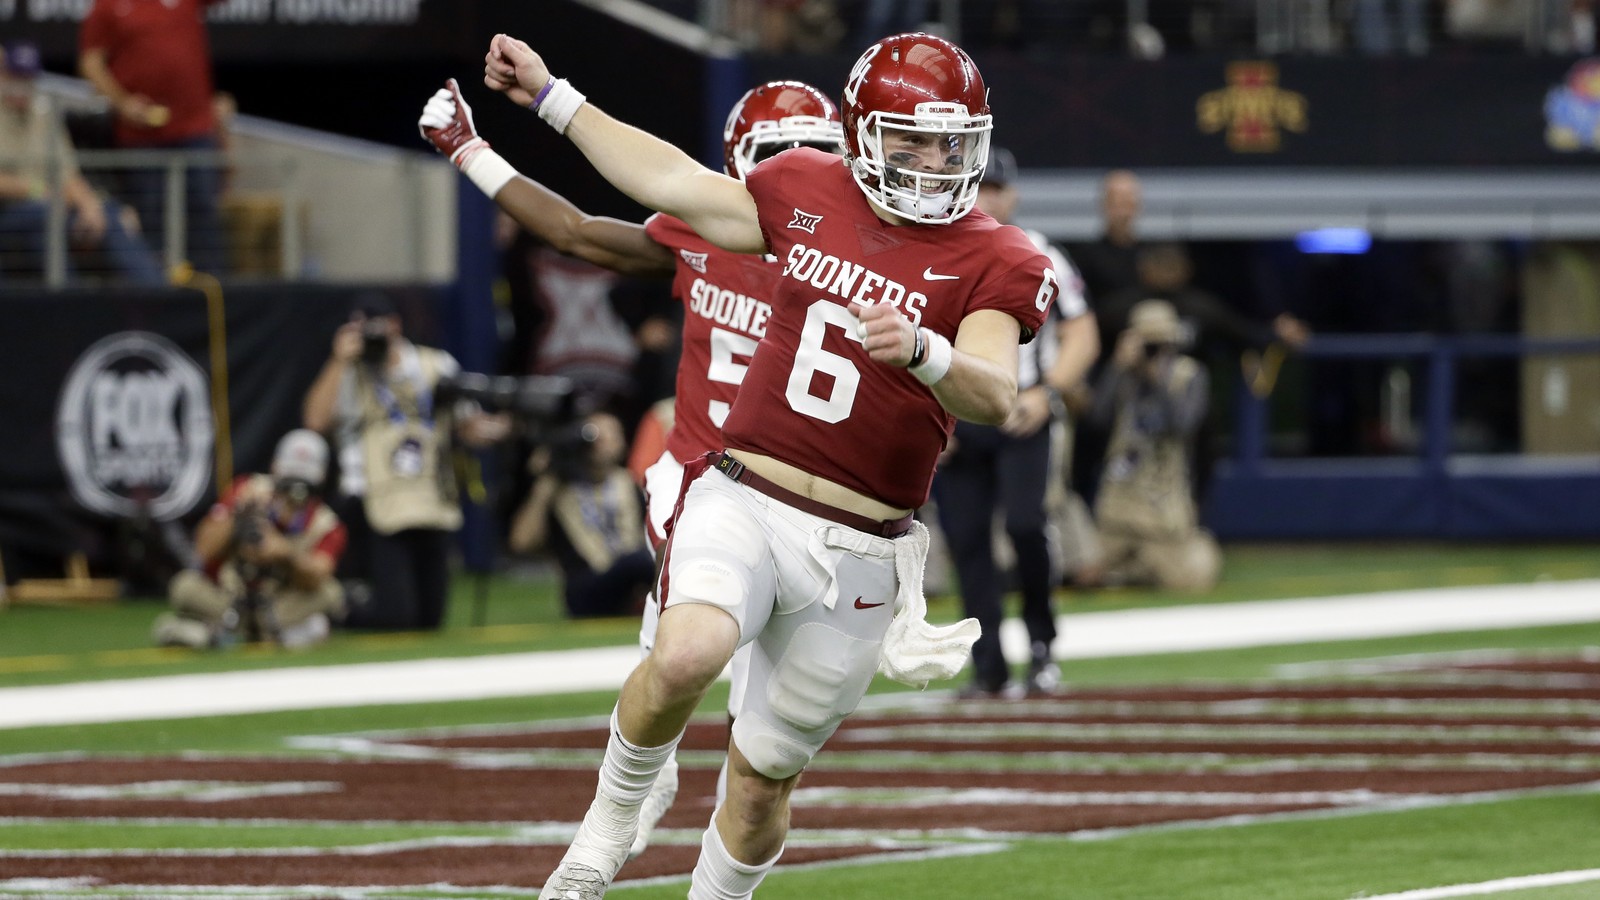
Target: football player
(896, 309)
(724, 294)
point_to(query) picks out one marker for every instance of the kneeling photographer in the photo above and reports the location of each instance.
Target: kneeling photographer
(268, 550)
(586, 509)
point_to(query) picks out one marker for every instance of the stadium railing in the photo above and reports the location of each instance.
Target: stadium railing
(1429, 489)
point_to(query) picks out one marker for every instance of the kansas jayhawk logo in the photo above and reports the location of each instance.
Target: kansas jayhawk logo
(1572, 110)
(805, 221)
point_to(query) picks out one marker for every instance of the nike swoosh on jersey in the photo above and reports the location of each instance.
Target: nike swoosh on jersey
(930, 275)
(860, 605)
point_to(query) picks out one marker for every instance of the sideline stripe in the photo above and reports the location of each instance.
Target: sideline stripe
(1552, 879)
(1088, 635)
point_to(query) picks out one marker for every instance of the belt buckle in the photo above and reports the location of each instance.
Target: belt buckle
(730, 467)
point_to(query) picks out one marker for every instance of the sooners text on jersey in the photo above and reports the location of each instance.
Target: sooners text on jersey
(725, 307)
(812, 397)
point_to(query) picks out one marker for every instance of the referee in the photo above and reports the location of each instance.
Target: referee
(1009, 467)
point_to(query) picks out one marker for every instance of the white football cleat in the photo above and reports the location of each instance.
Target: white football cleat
(598, 850)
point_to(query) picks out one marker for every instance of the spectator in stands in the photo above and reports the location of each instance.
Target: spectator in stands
(1570, 26)
(152, 63)
(885, 17)
(1009, 468)
(1507, 24)
(376, 394)
(586, 508)
(268, 550)
(37, 165)
(1153, 398)
(786, 26)
(1385, 27)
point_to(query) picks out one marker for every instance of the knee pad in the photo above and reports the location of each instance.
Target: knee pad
(820, 678)
(771, 750)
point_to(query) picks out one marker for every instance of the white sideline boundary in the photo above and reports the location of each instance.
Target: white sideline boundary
(1086, 635)
(1525, 882)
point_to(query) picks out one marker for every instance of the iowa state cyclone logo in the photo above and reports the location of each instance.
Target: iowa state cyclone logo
(1572, 110)
(1252, 109)
(133, 428)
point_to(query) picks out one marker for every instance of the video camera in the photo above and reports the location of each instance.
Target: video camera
(536, 402)
(247, 524)
(249, 618)
(571, 448)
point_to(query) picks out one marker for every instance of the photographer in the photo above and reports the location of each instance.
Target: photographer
(268, 548)
(587, 509)
(377, 394)
(1153, 398)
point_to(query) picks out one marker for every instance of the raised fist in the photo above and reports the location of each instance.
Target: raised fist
(446, 123)
(512, 68)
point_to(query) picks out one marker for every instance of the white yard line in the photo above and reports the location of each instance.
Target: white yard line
(1122, 633)
(1217, 626)
(1551, 879)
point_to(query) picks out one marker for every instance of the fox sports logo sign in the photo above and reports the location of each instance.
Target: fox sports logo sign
(134, 428)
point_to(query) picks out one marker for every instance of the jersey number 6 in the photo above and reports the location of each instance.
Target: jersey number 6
(810, 358)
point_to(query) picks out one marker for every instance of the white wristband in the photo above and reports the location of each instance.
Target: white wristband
(560, 105)
(939, 356)
(488, 170)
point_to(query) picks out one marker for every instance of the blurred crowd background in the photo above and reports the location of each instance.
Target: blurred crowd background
(1376, 220)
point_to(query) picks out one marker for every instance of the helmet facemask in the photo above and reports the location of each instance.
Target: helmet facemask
(767, 139)
(893, 178)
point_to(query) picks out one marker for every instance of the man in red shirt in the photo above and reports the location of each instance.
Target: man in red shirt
(724, 294)
(268, 549)
(897, 309)
(151, 60)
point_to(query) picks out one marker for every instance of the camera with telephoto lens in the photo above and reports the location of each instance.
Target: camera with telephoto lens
(374, 342)
(250, 617)
(572, 451)
(248, 520)
(536, 402)
(1153, 349)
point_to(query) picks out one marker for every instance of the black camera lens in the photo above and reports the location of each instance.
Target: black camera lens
(374, 346)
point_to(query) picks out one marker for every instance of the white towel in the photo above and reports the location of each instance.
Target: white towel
(915, 652)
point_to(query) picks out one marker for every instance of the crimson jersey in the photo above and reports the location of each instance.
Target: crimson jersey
(813, 397)
(332, 542)
(725, 313)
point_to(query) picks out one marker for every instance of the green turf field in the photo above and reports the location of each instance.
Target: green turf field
(42, 645)
(1319, 855)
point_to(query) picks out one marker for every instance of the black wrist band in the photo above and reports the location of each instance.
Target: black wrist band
(919, 349)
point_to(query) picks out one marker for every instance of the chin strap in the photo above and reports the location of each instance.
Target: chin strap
(924, 206)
